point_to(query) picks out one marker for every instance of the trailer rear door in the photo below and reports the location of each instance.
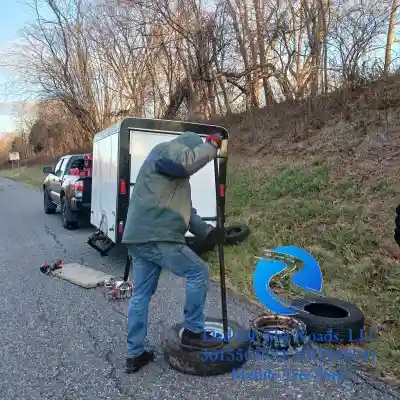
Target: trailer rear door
(202, 183)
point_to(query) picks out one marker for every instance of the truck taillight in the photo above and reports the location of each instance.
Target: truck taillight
(121, 227)
(78, 187)
(122, 186)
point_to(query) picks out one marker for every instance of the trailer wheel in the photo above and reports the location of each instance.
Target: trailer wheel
(49, 206)
(68, 220)
(231, 355)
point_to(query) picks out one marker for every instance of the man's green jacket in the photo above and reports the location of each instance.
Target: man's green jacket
(160, 208)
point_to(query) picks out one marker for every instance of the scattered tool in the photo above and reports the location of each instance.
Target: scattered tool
(47, 268)
(120, 289)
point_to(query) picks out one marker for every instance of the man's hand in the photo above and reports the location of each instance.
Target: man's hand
(215, 139)
(212, 237)
(205, 244)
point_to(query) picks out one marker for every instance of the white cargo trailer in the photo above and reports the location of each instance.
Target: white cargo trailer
(118, 154)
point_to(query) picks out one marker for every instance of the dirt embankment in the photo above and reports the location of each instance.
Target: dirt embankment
(357, 128)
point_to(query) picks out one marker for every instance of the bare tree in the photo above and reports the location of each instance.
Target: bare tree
(391, 36)
(94, 62)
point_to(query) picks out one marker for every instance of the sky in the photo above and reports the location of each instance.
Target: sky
(13, 16)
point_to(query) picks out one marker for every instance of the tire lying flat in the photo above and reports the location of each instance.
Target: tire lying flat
(323, 315)
(231, 355)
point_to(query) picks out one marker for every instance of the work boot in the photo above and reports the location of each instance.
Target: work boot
(133, 364)
(199, 341)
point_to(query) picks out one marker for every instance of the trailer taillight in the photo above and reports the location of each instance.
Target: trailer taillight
(222, 190)
(122, 186)
(121, 227)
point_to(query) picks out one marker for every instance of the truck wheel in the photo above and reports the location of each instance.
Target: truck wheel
(49, 206)
(68, 219)
(232, 355)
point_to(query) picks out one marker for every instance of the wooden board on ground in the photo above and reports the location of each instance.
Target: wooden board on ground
(82, 275)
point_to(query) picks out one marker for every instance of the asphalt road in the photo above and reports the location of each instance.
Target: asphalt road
(60, 341)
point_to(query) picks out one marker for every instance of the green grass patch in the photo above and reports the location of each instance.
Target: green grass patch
(307, 205)
(33, 176)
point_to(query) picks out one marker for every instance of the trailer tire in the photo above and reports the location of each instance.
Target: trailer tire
(231, 355)
(68, 219)
(236, 233)
(49, 206)
(330, 316)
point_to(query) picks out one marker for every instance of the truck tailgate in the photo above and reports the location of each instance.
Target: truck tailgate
(87, 190)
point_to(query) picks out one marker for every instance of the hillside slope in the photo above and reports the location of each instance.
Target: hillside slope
(325, 176)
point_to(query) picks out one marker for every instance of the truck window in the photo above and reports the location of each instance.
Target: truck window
(60, 167)
(77, 163)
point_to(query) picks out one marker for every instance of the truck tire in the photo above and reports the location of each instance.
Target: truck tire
(68, 219)
(236, 233)
(49, 206)
(231, 355)
(326, 315)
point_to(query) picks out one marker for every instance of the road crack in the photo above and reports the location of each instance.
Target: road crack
(59, 245)
(113, 374)
(107, 357)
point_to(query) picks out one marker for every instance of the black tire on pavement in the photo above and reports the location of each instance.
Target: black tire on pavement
(236, 233)
(68, 219)
(49, 206)
(230, 356)
(330, 320)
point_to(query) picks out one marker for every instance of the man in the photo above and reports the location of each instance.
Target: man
(160, 213)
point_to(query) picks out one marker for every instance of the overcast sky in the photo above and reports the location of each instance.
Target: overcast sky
(13, 16)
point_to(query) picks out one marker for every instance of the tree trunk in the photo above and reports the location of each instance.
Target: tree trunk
(391, 36)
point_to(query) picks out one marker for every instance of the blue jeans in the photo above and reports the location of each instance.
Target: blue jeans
(148, 259)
